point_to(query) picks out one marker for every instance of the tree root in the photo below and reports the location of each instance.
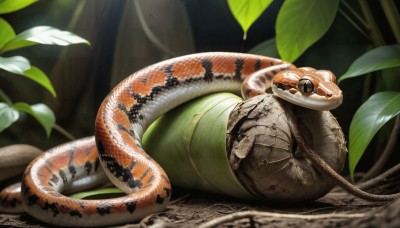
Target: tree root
(323, 166)
(262, 218)
(371, 183)
(387, 152)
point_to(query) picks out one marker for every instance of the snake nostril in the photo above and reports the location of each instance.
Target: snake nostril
(328, 95)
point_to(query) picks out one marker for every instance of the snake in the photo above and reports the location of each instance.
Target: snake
(115, 151)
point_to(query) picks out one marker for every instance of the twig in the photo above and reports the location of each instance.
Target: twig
(354, 24)
(372, 26)
(392, 15)
(355, 14)
(323, 166)
(5, 98)
(389, 149)
(153, 38)
(179, 199)
(316, 210)
(252, 214)
(232, 210)
(64, 132)
(370, 183)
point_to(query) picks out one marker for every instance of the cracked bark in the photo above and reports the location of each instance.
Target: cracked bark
(266, 159)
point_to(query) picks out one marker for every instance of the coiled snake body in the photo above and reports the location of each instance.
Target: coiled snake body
(126, 113)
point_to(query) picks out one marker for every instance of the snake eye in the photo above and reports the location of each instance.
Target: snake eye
(305, 86)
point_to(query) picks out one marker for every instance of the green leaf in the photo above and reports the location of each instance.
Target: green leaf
(43, 35)
(6, 32)
(246, 12)
(266, 48)
(16, 64)
(8, 115)
(20, 65)
(35, 74)
(192, 134)
(98, 194)
(8, 6)
(301, 23)
(40, 112)
(377, 59)
(368, 119)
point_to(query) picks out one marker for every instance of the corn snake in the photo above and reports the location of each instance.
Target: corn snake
(125, 114)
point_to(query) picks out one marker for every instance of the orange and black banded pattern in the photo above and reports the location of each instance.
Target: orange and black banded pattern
(121, 121)
(10, 199)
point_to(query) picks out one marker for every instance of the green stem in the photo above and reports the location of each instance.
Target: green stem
(392, 15)
(355, 24)
(5, 98)
(149, 33)
(372, 26)
(355, 14)
(64, 132)
(76, 15)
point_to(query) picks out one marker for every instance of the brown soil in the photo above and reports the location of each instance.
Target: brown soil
(195, 208)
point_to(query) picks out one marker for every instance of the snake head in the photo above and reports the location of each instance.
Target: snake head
(308, 87)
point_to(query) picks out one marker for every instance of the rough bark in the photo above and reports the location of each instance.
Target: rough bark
(265, 156)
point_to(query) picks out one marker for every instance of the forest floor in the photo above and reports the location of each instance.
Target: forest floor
(198, 209)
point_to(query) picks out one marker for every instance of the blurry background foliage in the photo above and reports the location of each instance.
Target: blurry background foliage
(10, 112)
(126, 36)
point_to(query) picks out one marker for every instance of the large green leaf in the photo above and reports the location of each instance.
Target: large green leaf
(16, 64)
(368, 119)
(377, 59)
(195, 135)
(246, 12)
(301, 23)
(266, 48)
(8, 115)
(39, 77)
(20, 65)
(43, 35)
(8, 6)
(40, 112)
(6, 32)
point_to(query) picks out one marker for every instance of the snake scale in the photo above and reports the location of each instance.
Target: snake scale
(124, 116)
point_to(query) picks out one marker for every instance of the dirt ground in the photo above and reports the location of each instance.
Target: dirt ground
(199, 209)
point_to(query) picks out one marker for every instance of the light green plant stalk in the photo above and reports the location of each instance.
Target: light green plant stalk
(189, 142)
(373, 28)
(354, 23)
(194, 134)
(392, 14)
